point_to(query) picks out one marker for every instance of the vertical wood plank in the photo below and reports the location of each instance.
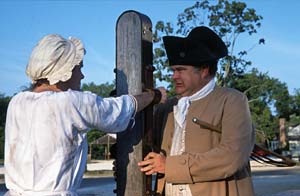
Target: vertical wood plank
(133, 54)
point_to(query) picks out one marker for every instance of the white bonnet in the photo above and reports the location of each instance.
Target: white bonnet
(54, 58)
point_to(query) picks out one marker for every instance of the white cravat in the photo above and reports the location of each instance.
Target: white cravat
(178, 142)
(181, 109)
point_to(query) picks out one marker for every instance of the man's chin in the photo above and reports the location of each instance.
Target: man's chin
(179, 91)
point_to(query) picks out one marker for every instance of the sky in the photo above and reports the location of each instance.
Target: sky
(25, 22)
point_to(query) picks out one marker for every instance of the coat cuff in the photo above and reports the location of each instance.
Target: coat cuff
(177, 170)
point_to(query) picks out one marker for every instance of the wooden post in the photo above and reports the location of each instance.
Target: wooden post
(282, 133)
(133, 59)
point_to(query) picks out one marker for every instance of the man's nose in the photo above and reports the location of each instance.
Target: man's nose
(174, 75)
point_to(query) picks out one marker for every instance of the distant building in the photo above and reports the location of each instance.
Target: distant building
(294, 142)
(107, 141)
(274, 145)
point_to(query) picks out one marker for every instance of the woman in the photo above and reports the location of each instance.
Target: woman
(45, 133)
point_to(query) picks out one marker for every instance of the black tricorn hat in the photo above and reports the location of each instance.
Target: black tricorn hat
(201, 46)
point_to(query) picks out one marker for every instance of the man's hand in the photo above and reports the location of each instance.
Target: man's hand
(153, 163)
(164, 95)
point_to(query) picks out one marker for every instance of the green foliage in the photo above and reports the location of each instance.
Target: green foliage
(102, 90)
(4, 101)
(3, 108)
(295, 103)
(96, 150)
(269, 98)
(228, 19)
(253, 85)
(94, 134)
(2, 138)
(259, 87)
(294, 120)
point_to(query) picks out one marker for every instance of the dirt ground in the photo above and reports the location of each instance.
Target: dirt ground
(275, 181)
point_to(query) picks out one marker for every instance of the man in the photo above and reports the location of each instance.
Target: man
(45, 133)
(207, 132)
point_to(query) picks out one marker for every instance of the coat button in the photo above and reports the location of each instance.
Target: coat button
(183, 161)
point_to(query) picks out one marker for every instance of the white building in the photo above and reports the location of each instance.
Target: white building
(294, 142)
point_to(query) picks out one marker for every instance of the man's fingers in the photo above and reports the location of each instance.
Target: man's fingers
(148, 169)
(151, 163)
(150, 155)
(145, 163)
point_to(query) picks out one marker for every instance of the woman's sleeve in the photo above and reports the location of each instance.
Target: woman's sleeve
(112, 114)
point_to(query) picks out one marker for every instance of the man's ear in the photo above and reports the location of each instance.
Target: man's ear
(205, 73)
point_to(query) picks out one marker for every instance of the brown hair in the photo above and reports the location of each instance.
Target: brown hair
(211, 65)
(38, 83)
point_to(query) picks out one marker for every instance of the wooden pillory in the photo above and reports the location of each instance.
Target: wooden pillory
(134, 72)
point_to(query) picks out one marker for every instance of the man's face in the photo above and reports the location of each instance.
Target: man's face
(188, 79)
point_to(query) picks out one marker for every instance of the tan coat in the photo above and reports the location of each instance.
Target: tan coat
(214, 164)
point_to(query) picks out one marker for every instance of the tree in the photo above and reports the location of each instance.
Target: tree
(102, 90)
(269, 98)
(228, 19)
(97, 150)
(294, 118)
(3, 108)
(4, 101)
(295, 103)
